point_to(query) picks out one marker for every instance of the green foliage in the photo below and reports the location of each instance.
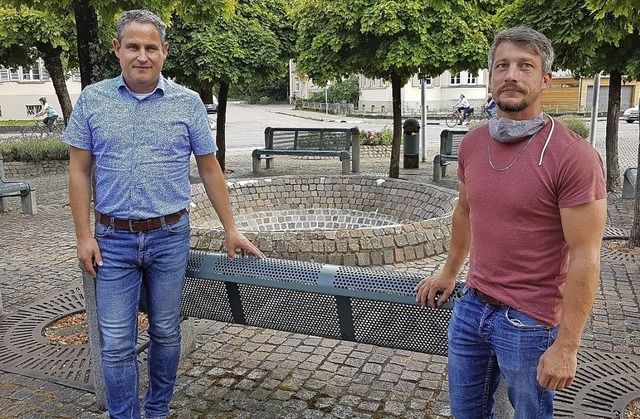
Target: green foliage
(23, 31)
(275, 90)
(346, 90)
(576, 125)
(382, 38)
(35, 150)
(384, 137)
(250, 46)
(582, 43)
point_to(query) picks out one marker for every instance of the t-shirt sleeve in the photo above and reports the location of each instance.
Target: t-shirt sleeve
(581, 177)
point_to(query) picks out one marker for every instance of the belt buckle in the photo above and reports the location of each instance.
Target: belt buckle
(134, 223)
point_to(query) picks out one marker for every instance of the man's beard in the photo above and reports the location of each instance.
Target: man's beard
(518, 107)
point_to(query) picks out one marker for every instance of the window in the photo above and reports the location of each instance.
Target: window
(471, 78)
(76, 77)
(31, 74)
(455, 80)
(32, 110)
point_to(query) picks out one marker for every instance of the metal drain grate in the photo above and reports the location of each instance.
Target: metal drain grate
(615, 233)
(605, 383)
(24, 351)
(611, 256)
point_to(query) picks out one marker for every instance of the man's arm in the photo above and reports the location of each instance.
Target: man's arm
(458, 250)
(216, 187)
(80, 162)
(583, 227)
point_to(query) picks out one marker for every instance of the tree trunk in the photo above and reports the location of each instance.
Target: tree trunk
(613, 119)
(88, 42)
(53, 63)
(206, 94)
(634, 238)
(223, 95)
(394, 166)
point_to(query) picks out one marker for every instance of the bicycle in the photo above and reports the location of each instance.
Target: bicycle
(41, 130)
(454, 117)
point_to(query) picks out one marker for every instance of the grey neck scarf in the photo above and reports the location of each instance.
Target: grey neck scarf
(509, 131)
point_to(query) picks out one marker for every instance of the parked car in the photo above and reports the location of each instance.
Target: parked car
(212, 107)
(631, 115)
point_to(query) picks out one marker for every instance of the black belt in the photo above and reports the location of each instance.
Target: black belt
(140, 225)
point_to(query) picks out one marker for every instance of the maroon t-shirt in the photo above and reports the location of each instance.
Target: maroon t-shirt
(518, 252)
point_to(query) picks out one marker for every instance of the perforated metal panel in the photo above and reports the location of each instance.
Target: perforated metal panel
(349, 303)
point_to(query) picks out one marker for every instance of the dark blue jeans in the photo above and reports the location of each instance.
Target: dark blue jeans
(159, 259)
(488, 342)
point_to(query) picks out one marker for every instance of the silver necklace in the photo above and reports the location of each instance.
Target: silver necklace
(514, 161)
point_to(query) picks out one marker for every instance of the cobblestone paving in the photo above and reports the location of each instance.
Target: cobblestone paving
(247, 372)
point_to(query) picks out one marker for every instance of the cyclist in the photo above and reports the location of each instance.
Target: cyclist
(464, 109)
(50, 111)
(489, 107)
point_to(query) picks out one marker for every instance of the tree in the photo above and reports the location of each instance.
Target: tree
(30, 34)
(391, 39)
(629, 9)
(251, 46)
(588, 46)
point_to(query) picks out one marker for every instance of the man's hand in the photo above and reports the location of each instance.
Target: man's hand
(557, 367)
(427, 288)
(88, 254)
(236, 241)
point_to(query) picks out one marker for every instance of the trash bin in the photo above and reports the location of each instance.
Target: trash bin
(411, 144)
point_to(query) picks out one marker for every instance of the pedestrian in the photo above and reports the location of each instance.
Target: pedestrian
(530, 217)
(141, 130)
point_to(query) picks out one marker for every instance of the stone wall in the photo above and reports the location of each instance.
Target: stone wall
(21, 170)
(341, 220)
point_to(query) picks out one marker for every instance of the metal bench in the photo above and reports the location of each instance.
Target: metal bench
(14, 189)
(449, 143)
(629, 183)
(320, 142)
(365, 305)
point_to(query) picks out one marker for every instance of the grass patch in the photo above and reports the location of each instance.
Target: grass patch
(17, 122)
(35, 150)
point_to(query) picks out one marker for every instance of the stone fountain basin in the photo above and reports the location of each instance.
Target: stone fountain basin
(342, 220)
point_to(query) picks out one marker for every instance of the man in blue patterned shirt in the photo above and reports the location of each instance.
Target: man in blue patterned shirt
(141, 130)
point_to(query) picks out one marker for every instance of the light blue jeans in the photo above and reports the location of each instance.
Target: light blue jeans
(157, 258)
(487, 342)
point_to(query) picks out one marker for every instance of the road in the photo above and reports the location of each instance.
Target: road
(246, 124)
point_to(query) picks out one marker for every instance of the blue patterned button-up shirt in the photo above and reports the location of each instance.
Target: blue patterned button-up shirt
(141, 147)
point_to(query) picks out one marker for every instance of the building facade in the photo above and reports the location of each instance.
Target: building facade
(20, 89)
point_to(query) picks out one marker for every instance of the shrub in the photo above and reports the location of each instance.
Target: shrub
(384, 137)
(576, 125)
(35, 150)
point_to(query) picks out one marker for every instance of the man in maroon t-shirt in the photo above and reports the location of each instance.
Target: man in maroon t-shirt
(530, 216)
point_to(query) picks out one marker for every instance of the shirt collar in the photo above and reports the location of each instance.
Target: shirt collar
(160, 87)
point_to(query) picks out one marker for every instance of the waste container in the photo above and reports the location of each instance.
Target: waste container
(411, 144)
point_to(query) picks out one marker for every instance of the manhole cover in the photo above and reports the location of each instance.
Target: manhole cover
(605, 383)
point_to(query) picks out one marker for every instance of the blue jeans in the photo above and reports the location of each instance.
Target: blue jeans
(488, 342)
(157, 259)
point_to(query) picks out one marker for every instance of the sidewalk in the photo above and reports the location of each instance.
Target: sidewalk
(248, 372)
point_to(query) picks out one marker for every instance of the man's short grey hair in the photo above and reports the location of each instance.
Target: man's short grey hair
(141, 16)
(524, 36)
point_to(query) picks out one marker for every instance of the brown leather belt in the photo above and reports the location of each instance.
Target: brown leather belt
(137, 226)
(487, 298)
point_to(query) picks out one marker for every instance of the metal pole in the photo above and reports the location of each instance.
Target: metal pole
(594, 109)
(423, 117)
(326, 99)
